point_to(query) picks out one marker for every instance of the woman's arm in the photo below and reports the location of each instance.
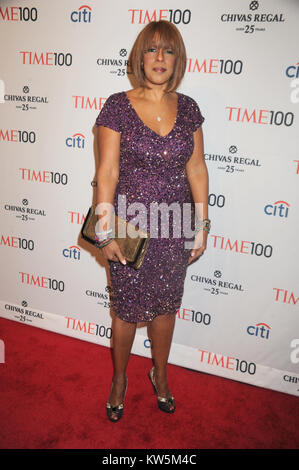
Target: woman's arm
(107, 178)
(198, 178)
(108, 169)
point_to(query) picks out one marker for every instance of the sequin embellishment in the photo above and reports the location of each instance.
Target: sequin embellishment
(151, 169)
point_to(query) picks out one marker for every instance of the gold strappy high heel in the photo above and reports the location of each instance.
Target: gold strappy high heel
(164, 403)
(117, 409)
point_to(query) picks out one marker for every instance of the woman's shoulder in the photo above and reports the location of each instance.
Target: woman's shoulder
(192, 111)
(188, 100)
(111, 112)
(115, 97)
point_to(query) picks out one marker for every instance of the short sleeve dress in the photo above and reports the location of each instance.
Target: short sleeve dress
(152, 172)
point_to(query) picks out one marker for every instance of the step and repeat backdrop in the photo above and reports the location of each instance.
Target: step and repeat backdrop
(60, 61)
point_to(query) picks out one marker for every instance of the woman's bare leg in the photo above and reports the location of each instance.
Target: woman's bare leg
(123, 337)
(160, 333)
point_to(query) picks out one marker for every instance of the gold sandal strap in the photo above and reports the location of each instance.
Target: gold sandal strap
(161, 399)
(166, 400)
(114, 408)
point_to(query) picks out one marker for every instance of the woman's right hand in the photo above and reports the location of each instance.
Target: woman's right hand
(112, 252)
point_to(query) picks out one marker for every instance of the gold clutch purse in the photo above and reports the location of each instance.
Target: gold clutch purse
(133, 249)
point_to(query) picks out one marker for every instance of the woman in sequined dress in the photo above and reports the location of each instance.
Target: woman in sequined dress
(151, 150)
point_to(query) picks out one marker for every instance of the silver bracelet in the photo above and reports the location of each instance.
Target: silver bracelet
(103, 235)
(103, 243)
(204, 224)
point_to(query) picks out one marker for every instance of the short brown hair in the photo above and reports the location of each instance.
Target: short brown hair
(169, 36)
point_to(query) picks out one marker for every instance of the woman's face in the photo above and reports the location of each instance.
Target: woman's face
(158, 63)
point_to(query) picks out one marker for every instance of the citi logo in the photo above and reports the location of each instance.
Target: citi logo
(73, 252)
(293, 71)
(261, 330)
(277, 209)
(82, 15)
(76, 141)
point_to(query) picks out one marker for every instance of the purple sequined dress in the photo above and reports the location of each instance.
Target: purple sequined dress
(152, 169)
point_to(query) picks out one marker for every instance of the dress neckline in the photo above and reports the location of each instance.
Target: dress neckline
(147, 127)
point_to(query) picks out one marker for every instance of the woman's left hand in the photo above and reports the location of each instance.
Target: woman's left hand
(200, 244)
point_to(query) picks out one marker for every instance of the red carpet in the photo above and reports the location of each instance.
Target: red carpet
(54, 388)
